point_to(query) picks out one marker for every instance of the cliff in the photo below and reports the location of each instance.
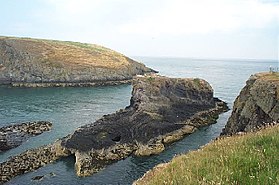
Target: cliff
(162, 110)
(256, 105)
(37, 62)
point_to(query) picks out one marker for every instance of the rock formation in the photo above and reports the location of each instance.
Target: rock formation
(31, 160)
(37, 62)
(14, 135)
(162, 110)
(256, 105)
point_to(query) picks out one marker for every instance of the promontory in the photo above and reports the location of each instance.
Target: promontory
(38, 62)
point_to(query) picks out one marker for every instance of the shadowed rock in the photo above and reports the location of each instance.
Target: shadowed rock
(256, 105)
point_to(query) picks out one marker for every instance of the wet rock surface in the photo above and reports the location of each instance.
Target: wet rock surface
(31, 160)
(14, 135)
(256, 105)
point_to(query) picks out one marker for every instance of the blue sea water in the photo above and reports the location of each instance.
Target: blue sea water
(68, 108)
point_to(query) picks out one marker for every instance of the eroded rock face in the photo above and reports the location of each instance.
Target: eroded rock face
(43, 63)
(14, 135)
(256, 105)
(162, 110)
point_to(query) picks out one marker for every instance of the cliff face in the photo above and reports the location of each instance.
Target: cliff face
(162, 110)
(256, 105)
(25, 61)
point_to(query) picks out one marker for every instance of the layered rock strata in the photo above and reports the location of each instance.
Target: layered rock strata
(256, 105)
(14, 135)
(42, 63)
(162, 110)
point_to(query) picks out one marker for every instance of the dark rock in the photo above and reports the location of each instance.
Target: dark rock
(31, 160)
(256, 105)
(37, 178)
(14, 135)
(162, 110)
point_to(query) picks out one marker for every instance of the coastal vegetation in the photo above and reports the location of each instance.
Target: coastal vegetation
(241, 159)
(41, 63)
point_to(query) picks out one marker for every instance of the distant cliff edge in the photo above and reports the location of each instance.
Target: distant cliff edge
(38, 62)
(256, 105)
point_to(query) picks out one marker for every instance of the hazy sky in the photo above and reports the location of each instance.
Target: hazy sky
(178, 28)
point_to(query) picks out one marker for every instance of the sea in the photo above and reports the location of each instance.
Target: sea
(71, 107)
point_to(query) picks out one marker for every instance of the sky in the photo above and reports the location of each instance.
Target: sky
(227, 29)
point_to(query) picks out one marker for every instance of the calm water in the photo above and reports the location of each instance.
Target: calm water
(69, 108)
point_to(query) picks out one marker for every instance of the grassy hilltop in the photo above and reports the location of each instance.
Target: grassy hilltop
(28, 60)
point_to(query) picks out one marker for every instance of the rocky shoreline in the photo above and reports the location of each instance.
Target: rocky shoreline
(31, 62)
(14, 135)
(70, 84)
(162, 110)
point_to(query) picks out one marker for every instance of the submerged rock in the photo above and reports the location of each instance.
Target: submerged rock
(256, 105)
(42, 63)
(14, 135)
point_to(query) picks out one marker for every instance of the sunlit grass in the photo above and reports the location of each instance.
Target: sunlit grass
(249, 159)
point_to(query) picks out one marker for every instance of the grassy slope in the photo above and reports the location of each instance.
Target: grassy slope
(68, 53)
(249, 159)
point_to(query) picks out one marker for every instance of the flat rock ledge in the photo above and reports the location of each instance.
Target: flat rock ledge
(70, 84)
(162, 110)
(14, 135)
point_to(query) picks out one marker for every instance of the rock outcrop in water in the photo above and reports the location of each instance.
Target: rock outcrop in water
(31, 160)
(37, 62)
(14, 135)
(162, 110)
(256, 105)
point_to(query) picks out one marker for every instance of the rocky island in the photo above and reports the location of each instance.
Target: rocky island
(256, 105)
(162, 110)
(14, 135)
(42, 63)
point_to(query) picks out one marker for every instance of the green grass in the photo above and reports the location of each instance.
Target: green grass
(249, 159)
